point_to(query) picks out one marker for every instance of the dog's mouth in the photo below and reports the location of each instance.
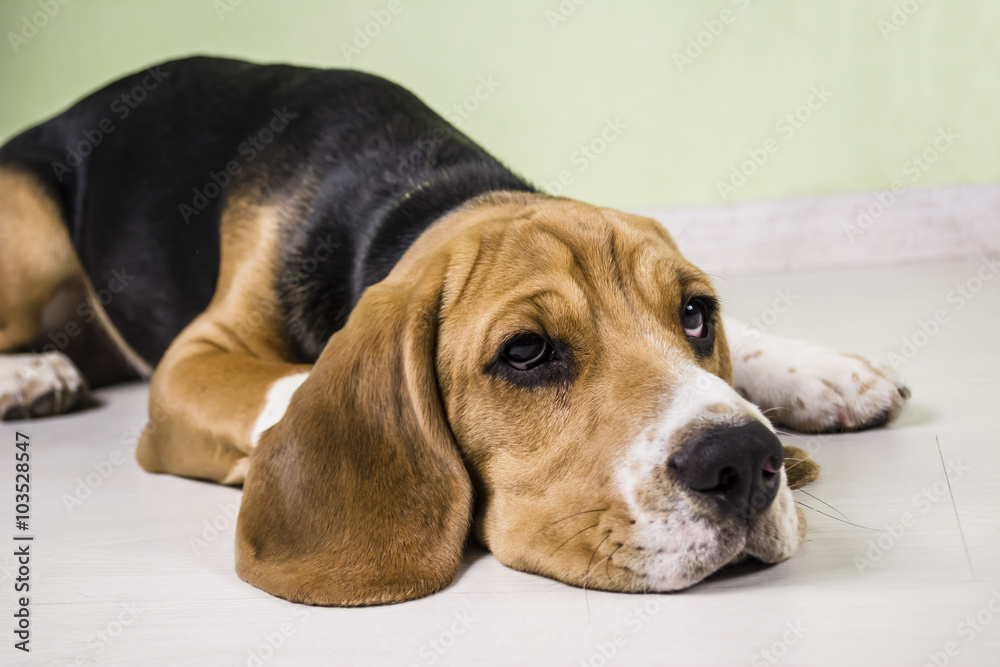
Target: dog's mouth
(769, 537)
(670, 552)
(657, 551)
(683, 564)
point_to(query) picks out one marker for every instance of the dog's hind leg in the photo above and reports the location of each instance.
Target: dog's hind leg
(37, 265)
(37, 258)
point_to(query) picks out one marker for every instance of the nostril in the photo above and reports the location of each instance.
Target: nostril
(772, 466)
(727, 478)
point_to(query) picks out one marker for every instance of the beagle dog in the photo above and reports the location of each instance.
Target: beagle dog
(392, 342)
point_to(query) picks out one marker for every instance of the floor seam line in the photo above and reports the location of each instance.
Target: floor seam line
(954, 508)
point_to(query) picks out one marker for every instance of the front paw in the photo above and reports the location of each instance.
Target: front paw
(38, 385)
(813, 389)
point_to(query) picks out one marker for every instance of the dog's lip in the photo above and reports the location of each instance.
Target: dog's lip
(696, 559)
(664, 566)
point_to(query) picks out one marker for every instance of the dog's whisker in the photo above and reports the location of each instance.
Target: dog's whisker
(573, 515)
(574, 535)
(797, 436)
(798, 462)
(606, 559)
(607, 563)
(825, 503)
(586, 577)
(835, 518)
(716, 276)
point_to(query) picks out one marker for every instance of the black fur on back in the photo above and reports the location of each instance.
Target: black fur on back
(369, 164)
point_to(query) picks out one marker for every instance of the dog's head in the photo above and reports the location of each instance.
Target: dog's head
(562, 365)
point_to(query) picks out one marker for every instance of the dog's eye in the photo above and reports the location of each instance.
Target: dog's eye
(527, 351)
(693, 319)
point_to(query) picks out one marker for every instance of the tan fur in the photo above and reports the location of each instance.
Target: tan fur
(362, 474)
(363, 463)
(800, 467)
(211, 384)
(42, 283)
(37, 259)
(362, 493)
(606, 282)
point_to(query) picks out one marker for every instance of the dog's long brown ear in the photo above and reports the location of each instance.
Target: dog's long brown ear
(358, 495)
(799, 467)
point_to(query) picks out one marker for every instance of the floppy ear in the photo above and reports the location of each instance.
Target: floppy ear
(799, 467)
(358, 495)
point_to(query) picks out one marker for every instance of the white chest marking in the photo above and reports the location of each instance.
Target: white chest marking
(275, 405)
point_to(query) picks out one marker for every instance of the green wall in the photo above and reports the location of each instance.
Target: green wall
(555, 75)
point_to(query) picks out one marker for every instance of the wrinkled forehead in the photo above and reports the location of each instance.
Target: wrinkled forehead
(568, 269)
(584, 252)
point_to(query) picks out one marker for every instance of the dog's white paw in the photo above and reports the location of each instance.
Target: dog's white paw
(814, 389)
(38, 385)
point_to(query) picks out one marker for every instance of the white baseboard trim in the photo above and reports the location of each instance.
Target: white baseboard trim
(927, 224)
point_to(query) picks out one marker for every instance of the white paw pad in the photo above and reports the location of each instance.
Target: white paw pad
(38, 385)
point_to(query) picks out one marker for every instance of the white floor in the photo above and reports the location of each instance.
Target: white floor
(135, 574)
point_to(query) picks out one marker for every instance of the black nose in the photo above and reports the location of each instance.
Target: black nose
(738, 467)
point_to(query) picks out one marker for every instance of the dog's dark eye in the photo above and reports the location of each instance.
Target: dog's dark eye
(527, 351)
(693, 319)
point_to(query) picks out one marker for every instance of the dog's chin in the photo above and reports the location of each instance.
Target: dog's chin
(667, 572)
(770, 538)
(777, 534)
(657, 552)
